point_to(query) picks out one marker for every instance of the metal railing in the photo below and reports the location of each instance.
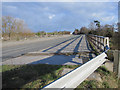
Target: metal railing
(100, 43)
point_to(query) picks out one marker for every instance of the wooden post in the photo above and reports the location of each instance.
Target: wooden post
(116, 65)
(119, 65)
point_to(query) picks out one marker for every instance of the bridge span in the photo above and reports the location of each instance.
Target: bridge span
(78, 50)
(71, 52)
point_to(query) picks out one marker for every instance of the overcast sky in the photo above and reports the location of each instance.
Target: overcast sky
(59, 16)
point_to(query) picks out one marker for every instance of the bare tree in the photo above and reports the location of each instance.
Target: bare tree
(14, 27)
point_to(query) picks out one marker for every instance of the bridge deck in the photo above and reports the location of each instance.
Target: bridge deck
(78, 44)
(75, 45)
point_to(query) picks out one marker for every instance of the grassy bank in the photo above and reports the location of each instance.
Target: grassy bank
(31, 76)
(109, 80)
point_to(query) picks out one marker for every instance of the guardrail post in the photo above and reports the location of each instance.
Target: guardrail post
(106, 42)
(116, 65)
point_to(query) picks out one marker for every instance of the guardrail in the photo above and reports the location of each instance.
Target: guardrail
(78, 75)
(100, 43)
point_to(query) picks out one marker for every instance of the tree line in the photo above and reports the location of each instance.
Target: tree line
(43, 33)
(96, 29)
(107, 30)
(15, 28)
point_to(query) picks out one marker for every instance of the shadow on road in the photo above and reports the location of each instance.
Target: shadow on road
(60, 43)
(58, 60)
(68, 45)
(78, 44)
(61, 59)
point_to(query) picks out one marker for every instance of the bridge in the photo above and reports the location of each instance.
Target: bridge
(77, 50)
(78, 75)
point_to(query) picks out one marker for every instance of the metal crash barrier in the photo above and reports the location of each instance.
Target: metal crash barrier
(78, 75)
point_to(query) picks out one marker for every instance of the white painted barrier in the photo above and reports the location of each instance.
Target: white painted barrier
(99, 42)
(78, 75)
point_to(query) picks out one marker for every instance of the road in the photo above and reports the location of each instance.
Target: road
(55, 54)
(17, 50)
(79, 44)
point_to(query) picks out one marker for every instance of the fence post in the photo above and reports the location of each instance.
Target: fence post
(119, 65)
(107, 38)
(116, 65)
(103, 44)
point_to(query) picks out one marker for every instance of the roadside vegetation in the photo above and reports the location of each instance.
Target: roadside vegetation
(31, 76)
(95, 28)
(111, 31)
(37, 76)
(109, 80)
(17, 29)
(43, 33)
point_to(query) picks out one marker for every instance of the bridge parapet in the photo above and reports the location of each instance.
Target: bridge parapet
(100, 43)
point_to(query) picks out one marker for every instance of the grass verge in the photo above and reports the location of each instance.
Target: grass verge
(31, 76)
(109, 80)
(110, 55)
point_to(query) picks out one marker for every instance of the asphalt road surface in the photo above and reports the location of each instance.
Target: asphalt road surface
(17, 50)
